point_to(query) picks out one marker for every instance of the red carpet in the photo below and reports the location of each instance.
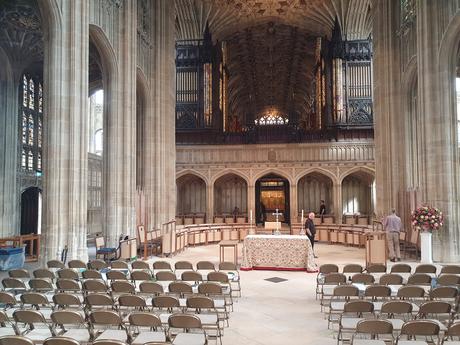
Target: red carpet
(277, 269)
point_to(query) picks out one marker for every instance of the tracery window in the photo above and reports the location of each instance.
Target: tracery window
(31, 112)
(271, 119)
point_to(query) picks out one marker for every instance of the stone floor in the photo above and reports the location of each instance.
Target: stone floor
(275, 313)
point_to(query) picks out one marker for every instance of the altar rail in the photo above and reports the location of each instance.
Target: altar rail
(178, 237)
(348, 234)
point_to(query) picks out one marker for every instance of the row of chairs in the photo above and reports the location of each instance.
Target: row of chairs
(397, 268)
(417, 332)
(94, 299)
(326, 286)
(138, 328)
(142, 265)
(408, 301)
(45, 279)
(436, 316)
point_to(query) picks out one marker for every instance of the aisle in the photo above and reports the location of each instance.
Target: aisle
(275, 313)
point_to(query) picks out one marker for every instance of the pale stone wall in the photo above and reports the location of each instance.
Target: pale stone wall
(291, 161)
(424, 56)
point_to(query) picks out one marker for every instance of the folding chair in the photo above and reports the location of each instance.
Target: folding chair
(323, 271)
(91, 274)
(396, 312)
(116, 275)
(234, 275)
(165, 276)
(211, 320)
(6, 327)
(140, 265)
(183, 265)
(180, 289)
(436, 311)
(130, 303)
(32, 324)
(14, 285)
(97, 264)
(452, 336)
(353, 312)
(222, 278)
(77, 264)
(55, 264)
(425, 329)
(15, 340)
(145, 327)
(107, 325)
(342, 294)
(426, 268)
(19, 273)
(374, 329)
(192, 276)
(68, 273)
(150, 288)
(186, 329)
(162, 266)
(44, 273)
(207, 266)
(38, 302)
(331, 280)
(71, 324)
(61, 341)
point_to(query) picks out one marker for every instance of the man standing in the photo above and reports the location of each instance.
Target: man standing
(322, 210)
(392, 225)
(311, 231)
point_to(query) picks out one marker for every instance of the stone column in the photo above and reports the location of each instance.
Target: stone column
(161, 149)
(209, 204)
(120, 129)
(294, 207)
(252, 202)
(337, 202)
(438, 136)
(9, 210)
(65, 151)
(387, 116)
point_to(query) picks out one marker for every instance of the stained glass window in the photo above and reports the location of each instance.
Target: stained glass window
(271, 119)
(40, 98)
(31, 93)
(31, 131)
(24, 91)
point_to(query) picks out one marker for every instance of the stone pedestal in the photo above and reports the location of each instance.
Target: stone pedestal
(426, 247)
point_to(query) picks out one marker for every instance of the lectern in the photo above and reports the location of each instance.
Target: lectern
(376, 248)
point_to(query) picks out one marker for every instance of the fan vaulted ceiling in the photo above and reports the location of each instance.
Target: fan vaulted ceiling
(314, 16)
(271, 45)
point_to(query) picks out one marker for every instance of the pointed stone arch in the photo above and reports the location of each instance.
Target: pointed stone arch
(313, 186)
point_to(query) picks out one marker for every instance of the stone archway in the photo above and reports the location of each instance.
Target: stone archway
(31, 210)
(272, 193)
(230, 191)
(311, 189)
(191, 196)
(358, 194)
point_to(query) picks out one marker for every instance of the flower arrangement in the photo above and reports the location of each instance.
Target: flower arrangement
(427, 217)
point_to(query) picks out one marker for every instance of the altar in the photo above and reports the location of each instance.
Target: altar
(278, 252)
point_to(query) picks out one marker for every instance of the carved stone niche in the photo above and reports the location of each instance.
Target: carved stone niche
(272, 156)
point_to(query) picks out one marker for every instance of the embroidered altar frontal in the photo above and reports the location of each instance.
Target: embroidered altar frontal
(278, 252)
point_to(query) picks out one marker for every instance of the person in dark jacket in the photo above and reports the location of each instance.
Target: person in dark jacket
(311, 230)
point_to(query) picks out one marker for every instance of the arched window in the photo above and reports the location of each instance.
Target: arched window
(31, 112)
(271, 119)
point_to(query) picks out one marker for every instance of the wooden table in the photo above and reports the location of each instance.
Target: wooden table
(230, 244)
